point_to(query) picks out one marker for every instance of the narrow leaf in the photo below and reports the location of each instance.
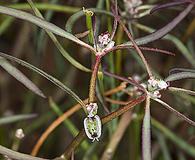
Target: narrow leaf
(164, 30)
(44, 74)
(43, 24)
(169, 4)
(182, 90)
(180, 75)
(146, 133)
(16, 118)
(176, 70)
(57, 43)
(20, 77)
(180, 115)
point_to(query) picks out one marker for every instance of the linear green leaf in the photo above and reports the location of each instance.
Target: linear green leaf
(180, 75)
(181, 47)
(43, 24)
(16, 118)
(164, 30)
(44, 74)
(20, 77)
(58, 45)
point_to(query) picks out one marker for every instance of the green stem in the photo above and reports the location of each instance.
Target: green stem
(89, 14)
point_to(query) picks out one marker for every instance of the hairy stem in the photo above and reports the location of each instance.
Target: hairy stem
(92, 86)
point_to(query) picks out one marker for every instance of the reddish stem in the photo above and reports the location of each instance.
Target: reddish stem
(92, 86)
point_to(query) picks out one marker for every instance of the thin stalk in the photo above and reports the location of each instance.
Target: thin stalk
(92, 86)
(178, 114)
(146, 133)
(89, 14)
(135, 45)
(119, 52)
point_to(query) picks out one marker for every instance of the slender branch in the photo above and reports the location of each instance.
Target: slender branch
(134, 44)
(180, 115)
(92, 86)
(121, 46)
(113, 101)
(128, 80)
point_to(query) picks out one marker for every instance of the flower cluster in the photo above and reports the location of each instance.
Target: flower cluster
(154, 86)
(104, 42)
(131, 6)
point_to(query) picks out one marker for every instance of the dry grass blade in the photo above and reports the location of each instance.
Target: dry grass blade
(117, 136)
(56, 123)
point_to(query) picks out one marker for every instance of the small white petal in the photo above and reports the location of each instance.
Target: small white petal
(162, 84)
(19, 133)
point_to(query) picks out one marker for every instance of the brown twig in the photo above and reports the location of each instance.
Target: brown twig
(113, 101)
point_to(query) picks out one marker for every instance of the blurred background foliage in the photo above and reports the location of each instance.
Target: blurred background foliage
(30, 43)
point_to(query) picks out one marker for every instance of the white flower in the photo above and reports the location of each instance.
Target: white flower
(104, 38)
(104, 42)
(153, 82)
(162, 84)
(19, 133)
(92, 109)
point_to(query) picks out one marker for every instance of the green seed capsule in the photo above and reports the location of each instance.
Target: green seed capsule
(93, 127)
